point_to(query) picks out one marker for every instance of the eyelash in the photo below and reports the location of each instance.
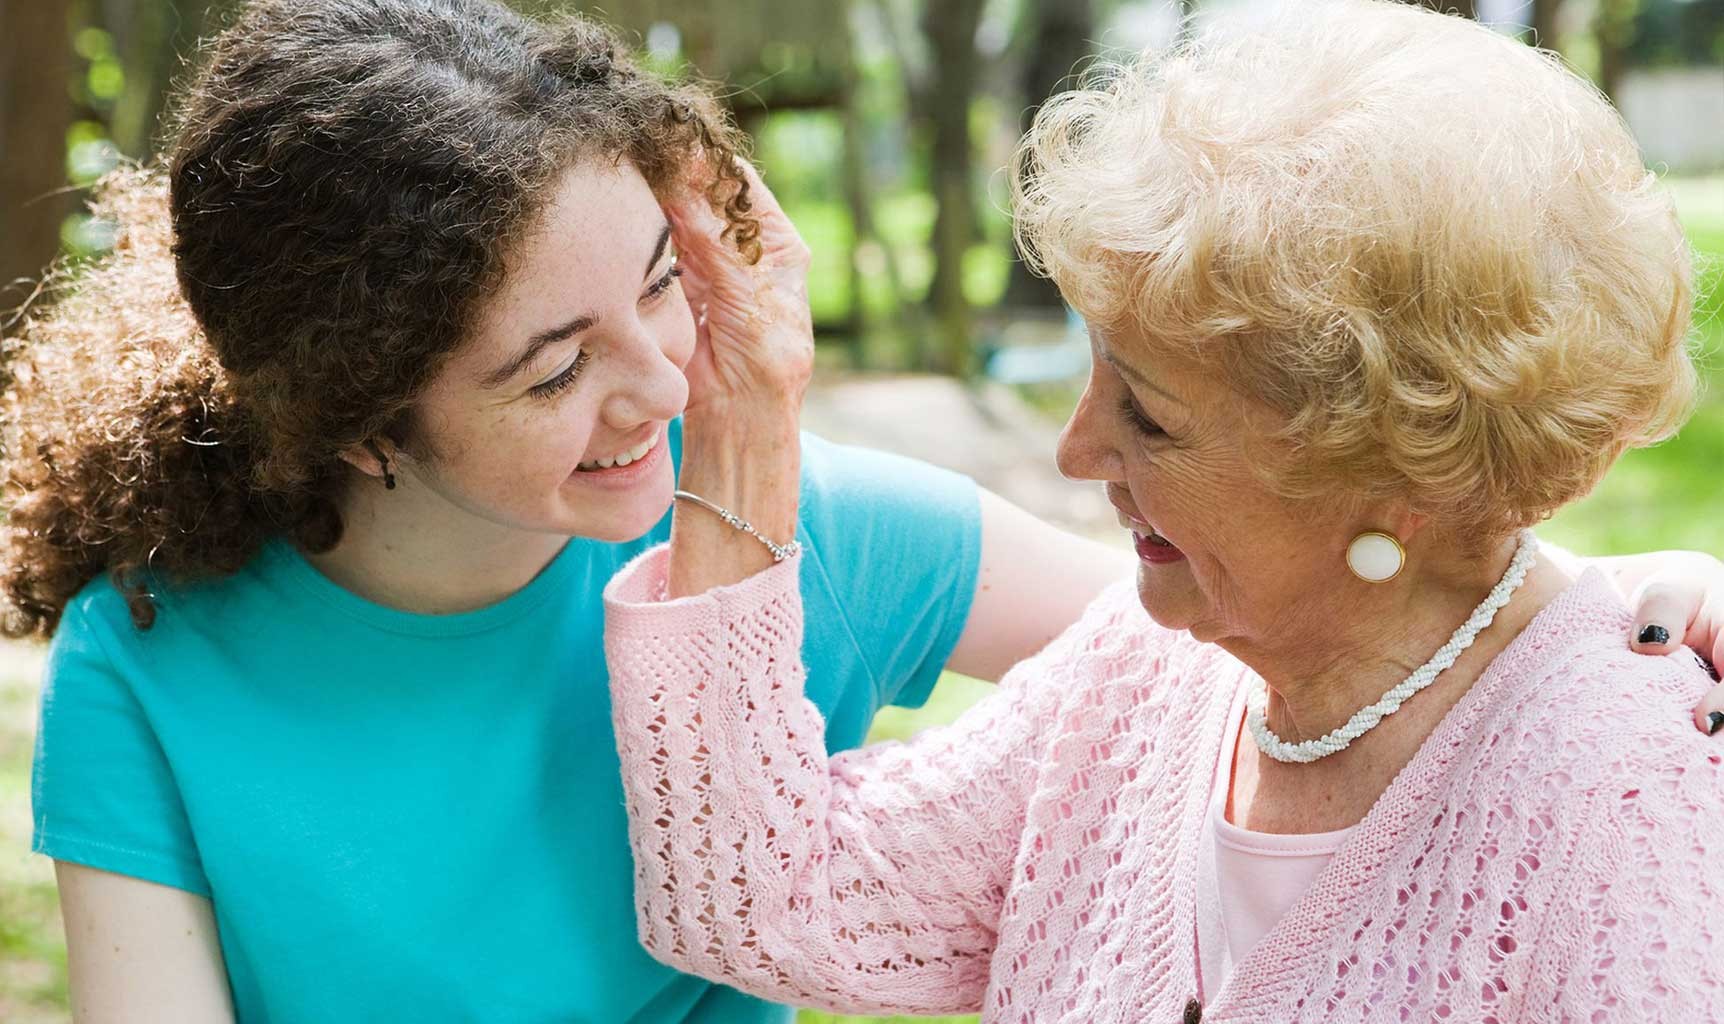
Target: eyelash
(662, 285)
(563, 380)
(1137, 419)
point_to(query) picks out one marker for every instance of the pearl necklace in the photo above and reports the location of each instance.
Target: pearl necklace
(1367, 718)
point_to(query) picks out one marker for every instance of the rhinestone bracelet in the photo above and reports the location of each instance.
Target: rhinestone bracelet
(779, 551)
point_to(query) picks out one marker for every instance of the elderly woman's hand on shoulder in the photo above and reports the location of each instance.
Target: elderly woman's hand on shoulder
(1677, 598)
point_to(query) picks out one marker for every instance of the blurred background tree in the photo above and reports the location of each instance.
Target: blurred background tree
(884, 123)
(883, 126)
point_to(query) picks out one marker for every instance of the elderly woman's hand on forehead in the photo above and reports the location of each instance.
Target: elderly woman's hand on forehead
(755, 331)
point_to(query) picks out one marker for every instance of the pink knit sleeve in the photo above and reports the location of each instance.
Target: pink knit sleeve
(870, 883)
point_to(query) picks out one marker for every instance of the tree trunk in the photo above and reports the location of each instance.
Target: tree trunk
(157, 38)
(1614, 28)
(35, 112)
(1060, 31)
(858, 196)
(951, 28)
(1466, 8)
(1544, 23)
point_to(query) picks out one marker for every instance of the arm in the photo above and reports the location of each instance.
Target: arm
(870, 883)
(1035, 580)
(138, 952)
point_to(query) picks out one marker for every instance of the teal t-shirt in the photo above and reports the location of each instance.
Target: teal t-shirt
(405, 817)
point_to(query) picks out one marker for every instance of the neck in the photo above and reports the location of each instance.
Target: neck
(1313, 691)
(413, 550)
(1320, 679)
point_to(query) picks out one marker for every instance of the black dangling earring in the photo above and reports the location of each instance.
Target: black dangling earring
(383, 460)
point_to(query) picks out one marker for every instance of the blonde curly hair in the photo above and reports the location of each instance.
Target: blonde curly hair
(1432, 249)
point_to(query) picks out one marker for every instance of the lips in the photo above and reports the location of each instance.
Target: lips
(1151, 546)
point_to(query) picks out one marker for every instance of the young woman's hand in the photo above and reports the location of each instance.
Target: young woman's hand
(1677, 598)
(754, 329)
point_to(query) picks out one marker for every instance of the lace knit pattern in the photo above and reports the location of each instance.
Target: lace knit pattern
(1544, 857)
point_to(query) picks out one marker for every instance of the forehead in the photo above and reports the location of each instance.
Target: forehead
(583, 252)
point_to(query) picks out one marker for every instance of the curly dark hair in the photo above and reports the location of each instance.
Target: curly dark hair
(344, 184)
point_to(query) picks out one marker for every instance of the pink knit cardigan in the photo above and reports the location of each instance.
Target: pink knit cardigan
(1552, 853)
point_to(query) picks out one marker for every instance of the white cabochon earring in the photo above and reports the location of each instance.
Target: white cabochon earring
(1376, 557)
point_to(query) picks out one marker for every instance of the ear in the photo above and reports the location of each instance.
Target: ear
(1393, 518)
(1409, 524)
(368, 457)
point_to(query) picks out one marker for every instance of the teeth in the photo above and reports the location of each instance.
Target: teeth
(621, 459)
(1141, 530)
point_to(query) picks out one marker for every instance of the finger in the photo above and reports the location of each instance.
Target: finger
(777, 233)
(697, 230)
(1709, 713)
(1664, 609)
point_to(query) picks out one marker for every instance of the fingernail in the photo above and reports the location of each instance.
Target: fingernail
(1716, 718)
(1655, 635)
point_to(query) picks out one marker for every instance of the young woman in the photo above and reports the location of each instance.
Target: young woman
(316, 483)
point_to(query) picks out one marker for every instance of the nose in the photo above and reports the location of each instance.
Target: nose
(1086, 449)
(650, 384)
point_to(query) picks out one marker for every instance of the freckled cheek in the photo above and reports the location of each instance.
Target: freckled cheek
(540, 446)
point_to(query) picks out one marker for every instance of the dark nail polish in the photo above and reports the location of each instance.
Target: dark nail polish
(1716, 719)
(1655, 635)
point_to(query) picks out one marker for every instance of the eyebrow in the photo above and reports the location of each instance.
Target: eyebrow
(1138, 377)
(658, 248)
(562, 332)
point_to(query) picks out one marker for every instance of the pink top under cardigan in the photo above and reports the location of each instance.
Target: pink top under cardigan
(1552, 853)
(1246, 881)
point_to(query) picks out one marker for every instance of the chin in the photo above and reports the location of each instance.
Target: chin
(1168, 609)
(623, 522)
(623, 529)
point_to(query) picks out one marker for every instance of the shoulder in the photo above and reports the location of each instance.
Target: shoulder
(848, 483)
(101, 611)
(1615, 709)
(1598, 734)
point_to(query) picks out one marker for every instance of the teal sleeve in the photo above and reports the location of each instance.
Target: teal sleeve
(898, 542)
(103, 794)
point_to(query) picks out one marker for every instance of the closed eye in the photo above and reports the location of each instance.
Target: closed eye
(1133, 415)
(662, 285)
(563, 380)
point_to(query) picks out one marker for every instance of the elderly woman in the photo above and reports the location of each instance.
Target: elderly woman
(1352, 749)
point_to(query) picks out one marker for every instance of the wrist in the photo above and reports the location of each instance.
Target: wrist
(726, 419)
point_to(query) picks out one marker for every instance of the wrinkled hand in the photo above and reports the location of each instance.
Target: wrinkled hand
(754, 332)
(1683, 596)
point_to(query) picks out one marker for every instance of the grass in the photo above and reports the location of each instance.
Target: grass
(1667, 496)
(32, 946)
